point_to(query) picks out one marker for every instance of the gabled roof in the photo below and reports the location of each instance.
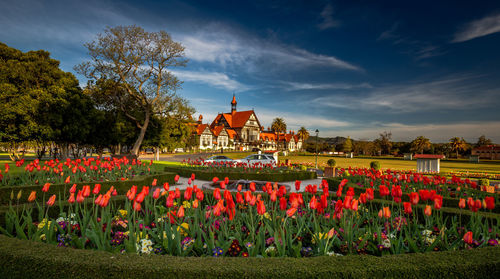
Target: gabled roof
(428, 156)
(200, 128)
(217, 130)
(488, 147)
(236, 119)
(231, 133)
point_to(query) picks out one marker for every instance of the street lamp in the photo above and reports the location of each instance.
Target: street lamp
(317, 133)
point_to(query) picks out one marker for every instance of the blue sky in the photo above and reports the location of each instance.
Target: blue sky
(412, 68)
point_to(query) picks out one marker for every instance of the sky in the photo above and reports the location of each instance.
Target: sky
(346, 68)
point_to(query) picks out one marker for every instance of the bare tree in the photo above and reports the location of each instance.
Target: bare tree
(139, 62)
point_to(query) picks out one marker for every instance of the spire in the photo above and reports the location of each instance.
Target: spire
(233, 104)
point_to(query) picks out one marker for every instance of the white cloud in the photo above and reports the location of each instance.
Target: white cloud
(456, 92)
(296, 120)
(215, 79)
(220, 44)
(327, 20)
(293, 86)
(478, 28)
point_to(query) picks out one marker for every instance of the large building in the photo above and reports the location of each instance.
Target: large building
(490, 152)
(241, 130)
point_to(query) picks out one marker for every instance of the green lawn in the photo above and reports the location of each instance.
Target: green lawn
(400, 164)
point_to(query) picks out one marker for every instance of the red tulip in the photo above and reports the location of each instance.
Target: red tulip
(239, 187)
(140, 197)
(362, 198)
(176, 178)
(313, 204)
(428, 210)
(73, 189)
(46, 187)
(79, 197)
(97, 189)
(291, 211)
(188, 193)
(468, 237)
(461, 203)
(252, 186)
(192, 177)
(217, 194)
(222, 185)
(273, 196)
(438, 201)
(86, 191)
(370, 194)
(180, 212)
(166, 186)
(386, 212)
(51, 200)
(136, 206)
(154, 182)
(177, 193)
(477, 204)
(200, 195)
(215, 179)
(407, 207)
(354, 205)
(384, 191)
(156, 193)
(226, 180)
(170, 201)
(67, 180)
(283, 203)
(32, 196)
(71, 198)
(414, 198)
(98, 199)
(490, 202)
(261, 208)
(339, 192)
(297, 185)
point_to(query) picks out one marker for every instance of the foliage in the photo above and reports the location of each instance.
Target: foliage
(331, 163)
(375, 165)
(347, 146)
(484, 182)
(482, 141)
(27, 259)
(278, 126)
(385, 143)
(137, 63)
(420, 144)
(457, 145)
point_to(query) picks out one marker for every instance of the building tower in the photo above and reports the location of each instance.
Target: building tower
(233, 104)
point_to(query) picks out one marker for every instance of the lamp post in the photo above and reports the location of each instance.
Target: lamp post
(317, 133)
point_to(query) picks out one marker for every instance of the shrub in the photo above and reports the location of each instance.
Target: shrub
(375, 165)
(27, 259)
(331, 163)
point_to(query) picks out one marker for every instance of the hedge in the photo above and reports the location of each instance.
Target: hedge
(120, 186)
(28, 259)
(274, 177)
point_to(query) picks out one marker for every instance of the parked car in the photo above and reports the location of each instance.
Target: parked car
(219, 159)
(179, 150)
(263, 159)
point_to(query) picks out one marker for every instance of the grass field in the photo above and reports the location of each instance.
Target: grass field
(400, 164)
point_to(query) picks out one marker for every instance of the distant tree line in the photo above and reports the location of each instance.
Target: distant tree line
(456, 147)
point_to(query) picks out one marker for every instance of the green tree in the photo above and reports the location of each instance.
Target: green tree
(482, 141)
(139, 62)
(278, 126)
(420, 144)
(303, 134)
(457, 144)
(347, 146)
(385, 143)
(39, 103)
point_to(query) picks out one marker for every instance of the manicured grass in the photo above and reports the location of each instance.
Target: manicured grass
(399, 163)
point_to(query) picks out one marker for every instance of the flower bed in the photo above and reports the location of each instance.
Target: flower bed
(164, 221)
(74, 171)
(275, 175)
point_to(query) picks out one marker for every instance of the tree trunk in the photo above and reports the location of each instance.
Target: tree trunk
(138, 142)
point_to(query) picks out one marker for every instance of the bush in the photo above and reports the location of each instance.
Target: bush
(27, 259)
(331, 163)
(375, 165)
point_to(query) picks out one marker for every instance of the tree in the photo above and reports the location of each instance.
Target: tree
(139, 63)
(385, 142)
(347, 146)
(278, 126)
(482, 141)
(303, 134)
(39, 103)
(420, 144)
(457, 144)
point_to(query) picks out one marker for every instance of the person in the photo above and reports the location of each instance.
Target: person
(222, 150)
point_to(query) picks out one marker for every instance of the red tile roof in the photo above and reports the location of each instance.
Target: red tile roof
(267, 136)
(487, 147)
(200, 128)
(217, 130)
(428, 156)
(236, 119)
(231, 133)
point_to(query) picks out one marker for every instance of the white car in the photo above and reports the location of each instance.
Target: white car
(218, 159)
(263, 159)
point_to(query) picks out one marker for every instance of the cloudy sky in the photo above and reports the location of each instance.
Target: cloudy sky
(414, 68)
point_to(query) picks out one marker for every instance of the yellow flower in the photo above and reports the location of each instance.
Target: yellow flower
(42, 237)
(319, 236)
(183, 228)
(186, 204)
(267, 216)
(123, 213)
(43, 223)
